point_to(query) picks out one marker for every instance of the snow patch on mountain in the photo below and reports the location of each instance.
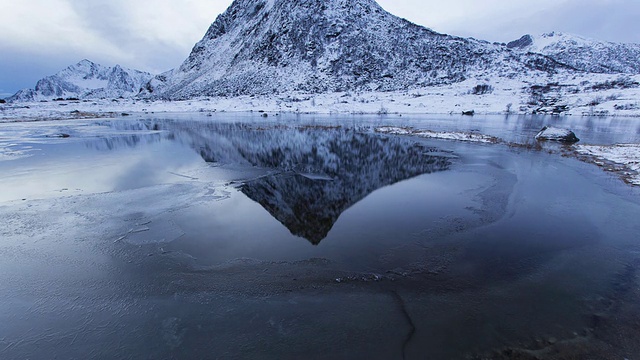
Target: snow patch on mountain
(582, 53)
(86, 80)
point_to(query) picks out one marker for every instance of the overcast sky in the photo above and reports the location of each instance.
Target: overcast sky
(41, 37)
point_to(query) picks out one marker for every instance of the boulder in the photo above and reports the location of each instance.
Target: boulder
(549, 133)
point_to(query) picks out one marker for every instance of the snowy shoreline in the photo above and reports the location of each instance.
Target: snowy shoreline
(622, 159)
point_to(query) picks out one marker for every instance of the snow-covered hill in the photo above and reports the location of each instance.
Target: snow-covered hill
(583, 54)
(316, 46)
(86, 80)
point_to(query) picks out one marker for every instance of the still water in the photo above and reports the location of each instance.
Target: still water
(313, 237)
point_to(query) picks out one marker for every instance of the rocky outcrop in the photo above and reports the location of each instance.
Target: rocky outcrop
(549, 133)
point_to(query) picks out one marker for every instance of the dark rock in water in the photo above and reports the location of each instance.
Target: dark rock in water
(3, 101)
(265, 115)
(61, 135)
(469, 113)
(549, 133)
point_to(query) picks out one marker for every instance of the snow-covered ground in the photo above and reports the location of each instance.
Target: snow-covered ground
(595, 94)
(625, 155)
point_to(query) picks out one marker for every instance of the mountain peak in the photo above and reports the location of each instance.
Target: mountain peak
(85, 62)
(273, 46)
(86, 79)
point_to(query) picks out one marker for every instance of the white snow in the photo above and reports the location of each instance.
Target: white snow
(11, 152)
(546, 41)
(576, 92)
(459, 136)
(627, 155)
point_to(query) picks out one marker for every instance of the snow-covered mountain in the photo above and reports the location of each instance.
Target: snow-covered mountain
(271, 47)
(274, 46)
(583, 54)
(86, 80)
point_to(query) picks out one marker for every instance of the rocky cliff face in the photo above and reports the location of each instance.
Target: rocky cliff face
(86, 80)
(272, 46)
(583, 54)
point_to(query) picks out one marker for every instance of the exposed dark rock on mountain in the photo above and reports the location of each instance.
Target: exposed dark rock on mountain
(521, 43)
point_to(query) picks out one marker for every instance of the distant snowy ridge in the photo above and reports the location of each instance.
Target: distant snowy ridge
(86, 80)
(583, 54)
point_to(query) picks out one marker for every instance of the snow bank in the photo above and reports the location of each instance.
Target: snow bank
(625, 155)
(459, 136)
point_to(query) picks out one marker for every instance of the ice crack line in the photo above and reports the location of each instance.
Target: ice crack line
(407, 317)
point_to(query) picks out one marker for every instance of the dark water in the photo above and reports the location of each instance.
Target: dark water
(312, 237)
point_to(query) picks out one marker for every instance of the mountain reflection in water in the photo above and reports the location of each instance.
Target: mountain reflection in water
(314, 173)
(327, 171)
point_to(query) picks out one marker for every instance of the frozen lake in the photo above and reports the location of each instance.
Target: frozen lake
(236, 236)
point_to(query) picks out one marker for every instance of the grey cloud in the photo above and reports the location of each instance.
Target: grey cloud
(612, 20)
